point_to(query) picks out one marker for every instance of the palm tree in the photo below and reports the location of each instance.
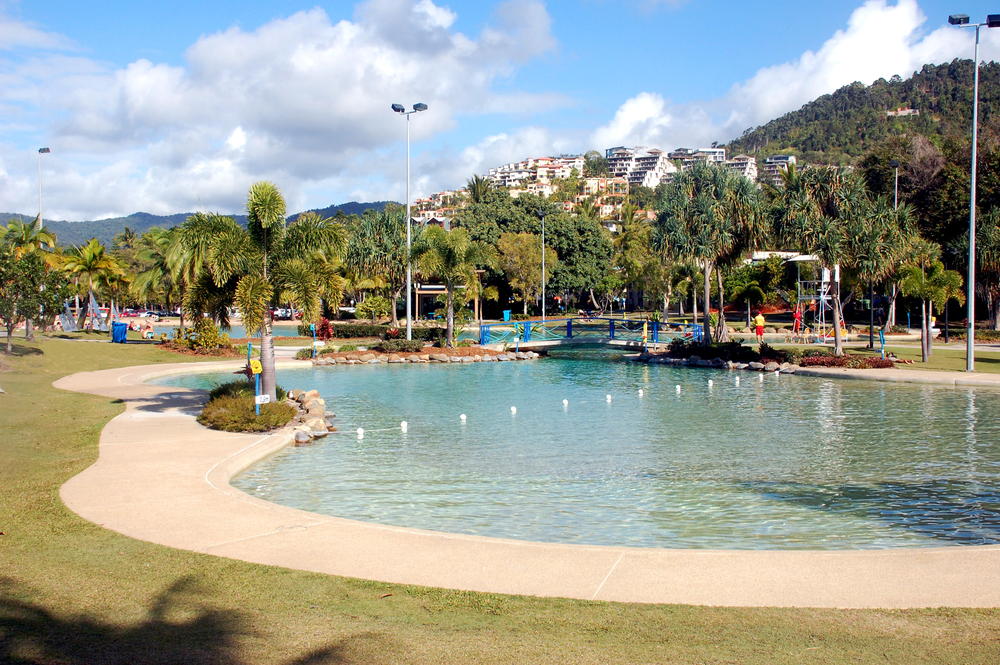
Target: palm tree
(478, 186)
(156, 283)
(452, 256)
(377, 251)
(265, 262)
(922, 278)
(586, 209)
(749, 293)
(25, 239)
(93, 263)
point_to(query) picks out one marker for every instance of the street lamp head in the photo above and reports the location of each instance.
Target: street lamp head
(958, 19)
(43, 151)
(894, 163)
(993, 21)
(419, 107)
(399, 108)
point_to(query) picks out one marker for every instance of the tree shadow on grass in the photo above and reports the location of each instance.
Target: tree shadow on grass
(180, 628)
(20, 350)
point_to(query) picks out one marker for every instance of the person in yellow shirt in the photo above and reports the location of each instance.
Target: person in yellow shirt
(758, 321)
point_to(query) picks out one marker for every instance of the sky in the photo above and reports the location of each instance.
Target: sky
(174, 107)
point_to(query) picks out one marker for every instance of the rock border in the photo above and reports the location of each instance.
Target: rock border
(457, 356)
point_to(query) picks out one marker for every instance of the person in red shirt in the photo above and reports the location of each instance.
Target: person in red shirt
(797, 321)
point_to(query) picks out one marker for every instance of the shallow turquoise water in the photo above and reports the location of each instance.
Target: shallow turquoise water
(790, 463)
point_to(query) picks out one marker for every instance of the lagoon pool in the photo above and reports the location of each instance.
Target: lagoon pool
(788, 463)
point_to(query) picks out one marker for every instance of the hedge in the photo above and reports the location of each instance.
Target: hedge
(396, 345)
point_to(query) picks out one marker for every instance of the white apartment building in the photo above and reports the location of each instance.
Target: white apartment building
(516, 175)
(774, 166)
(640, 166)
(689, 156)
(744, 165)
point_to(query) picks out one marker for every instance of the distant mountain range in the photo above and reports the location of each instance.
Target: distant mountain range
(78, 233)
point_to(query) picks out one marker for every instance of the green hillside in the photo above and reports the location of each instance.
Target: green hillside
(841, 127)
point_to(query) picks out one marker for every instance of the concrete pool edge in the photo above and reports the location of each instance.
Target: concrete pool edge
(163, 478)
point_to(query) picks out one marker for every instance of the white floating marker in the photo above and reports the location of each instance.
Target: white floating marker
(678, 390)
(565, 402)
(361, 433)
(403, 425)
(777, 372)
(640, 392)
(608, 397)
(762, 378)
(710, 383)
(462, 417)
(513, 409)
(737, 380)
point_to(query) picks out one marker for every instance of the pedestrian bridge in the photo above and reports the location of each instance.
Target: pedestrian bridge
(582, 331)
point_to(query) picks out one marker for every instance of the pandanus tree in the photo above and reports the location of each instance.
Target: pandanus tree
(264, 263)
(452, 257)
(708, 215)
(376, 252)
(988, 258)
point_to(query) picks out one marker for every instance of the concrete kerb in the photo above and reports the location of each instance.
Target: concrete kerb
(169, 484)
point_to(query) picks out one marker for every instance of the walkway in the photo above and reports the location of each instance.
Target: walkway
(163, 478)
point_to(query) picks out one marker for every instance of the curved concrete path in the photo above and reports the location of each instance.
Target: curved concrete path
(163, 478)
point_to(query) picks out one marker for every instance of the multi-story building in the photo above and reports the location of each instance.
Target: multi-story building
(745, 165)
(773, 168)
(516, 175)
(605, 187)
(640, 166)
(689, 157)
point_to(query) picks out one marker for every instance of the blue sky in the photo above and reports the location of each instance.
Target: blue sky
(170, 107)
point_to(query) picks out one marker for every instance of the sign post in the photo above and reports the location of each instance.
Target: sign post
(312, 327)
(256, 368)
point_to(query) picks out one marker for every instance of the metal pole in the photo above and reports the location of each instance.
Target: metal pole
(970, 350)
(895, 200)
(39, 186)
(409, 267)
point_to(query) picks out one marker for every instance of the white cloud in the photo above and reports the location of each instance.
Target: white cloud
(308, 98)
(880, 41)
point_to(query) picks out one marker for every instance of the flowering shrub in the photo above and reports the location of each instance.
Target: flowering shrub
(848, 361)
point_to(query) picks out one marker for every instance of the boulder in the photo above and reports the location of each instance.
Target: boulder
(307, 395)
(454, 359)
(467, 359)
(314, 423)
(746, 331)
(439, 357)
(770, 331)
(757, 366)
(393, 358)
(366, 357)
(719, 362)
(784, 366)
(375, 361)
(302, 437)
(489, 359)
(319, 433)
(341, 361)
(771, 367)
(502, 357)
(706, 363)
(741, 365)
(296, 394)
(520, 355)
(316, 412)
(790, 369)
(693, 360)
(477, 359)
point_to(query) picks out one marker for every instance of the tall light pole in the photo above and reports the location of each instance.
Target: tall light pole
(417, 108)
(41, 151)
(541, 213)
(992, 21)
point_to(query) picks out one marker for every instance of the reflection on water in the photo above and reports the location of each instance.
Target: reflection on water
(791, 462)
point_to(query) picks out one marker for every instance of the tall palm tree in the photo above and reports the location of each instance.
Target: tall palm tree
(93, 263)
(453, 257)
(156, 283)
(262, 264)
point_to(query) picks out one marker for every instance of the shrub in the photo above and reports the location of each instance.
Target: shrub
(981, 336)
(848, 361)
(464, 343)
(352, 330)
(768, 353)
(395, 345)
(519, 317)
(374, 307)
(303, 354)
(732, 351)
(347, 347)
(241, 388)
(392, 333)
(236, 413)
(323, 331)
(429, 334)
(203, 336)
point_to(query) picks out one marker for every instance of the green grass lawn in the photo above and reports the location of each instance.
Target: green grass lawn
(73, 592)
(944, 359)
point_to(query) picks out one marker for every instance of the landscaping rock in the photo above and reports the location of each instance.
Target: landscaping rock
(784, 366)
(489, 359)
(375, 361)
(366, 357)
(706, 363)
(318, 434)
(719, 362)
(693, 360)
(770, 331)
(741, 365)
(467, 359)
(502, 357)
(756, 365)
(314, 423)
(477, 359)
(302, 437)
(790, 369)
(771, 367)
(309, 394)
(393, 358)
(341, 361)
(424, 357)
(439, 357)
(296, 394)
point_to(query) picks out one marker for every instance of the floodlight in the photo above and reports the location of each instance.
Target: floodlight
(398, 108)
(420, 107)
(958, 19)
(894, 163)
(44, 151)
(993, 21)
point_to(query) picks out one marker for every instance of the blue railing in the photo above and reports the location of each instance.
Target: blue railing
(586, 329)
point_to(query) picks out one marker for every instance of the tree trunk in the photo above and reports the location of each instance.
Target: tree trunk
(721, 329)
(593, 300)
(29, 332)
(838, 341)
(526, 305)
(930, 328)
(923, 331)
(706, 306)
(395, 316)
(10, 339)
(666, 306)
(890, 320)
(694, 304)
(267, 378)
(450, 333)
(994, 310)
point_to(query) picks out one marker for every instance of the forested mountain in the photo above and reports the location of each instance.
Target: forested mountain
(78, 233)
(841, 127)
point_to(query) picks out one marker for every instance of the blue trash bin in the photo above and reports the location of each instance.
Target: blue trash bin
(506, 315)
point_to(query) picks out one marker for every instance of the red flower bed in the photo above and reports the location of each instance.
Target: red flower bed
(848, 361)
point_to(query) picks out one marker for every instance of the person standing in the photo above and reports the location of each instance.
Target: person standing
(758, 321)
(797, 321)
